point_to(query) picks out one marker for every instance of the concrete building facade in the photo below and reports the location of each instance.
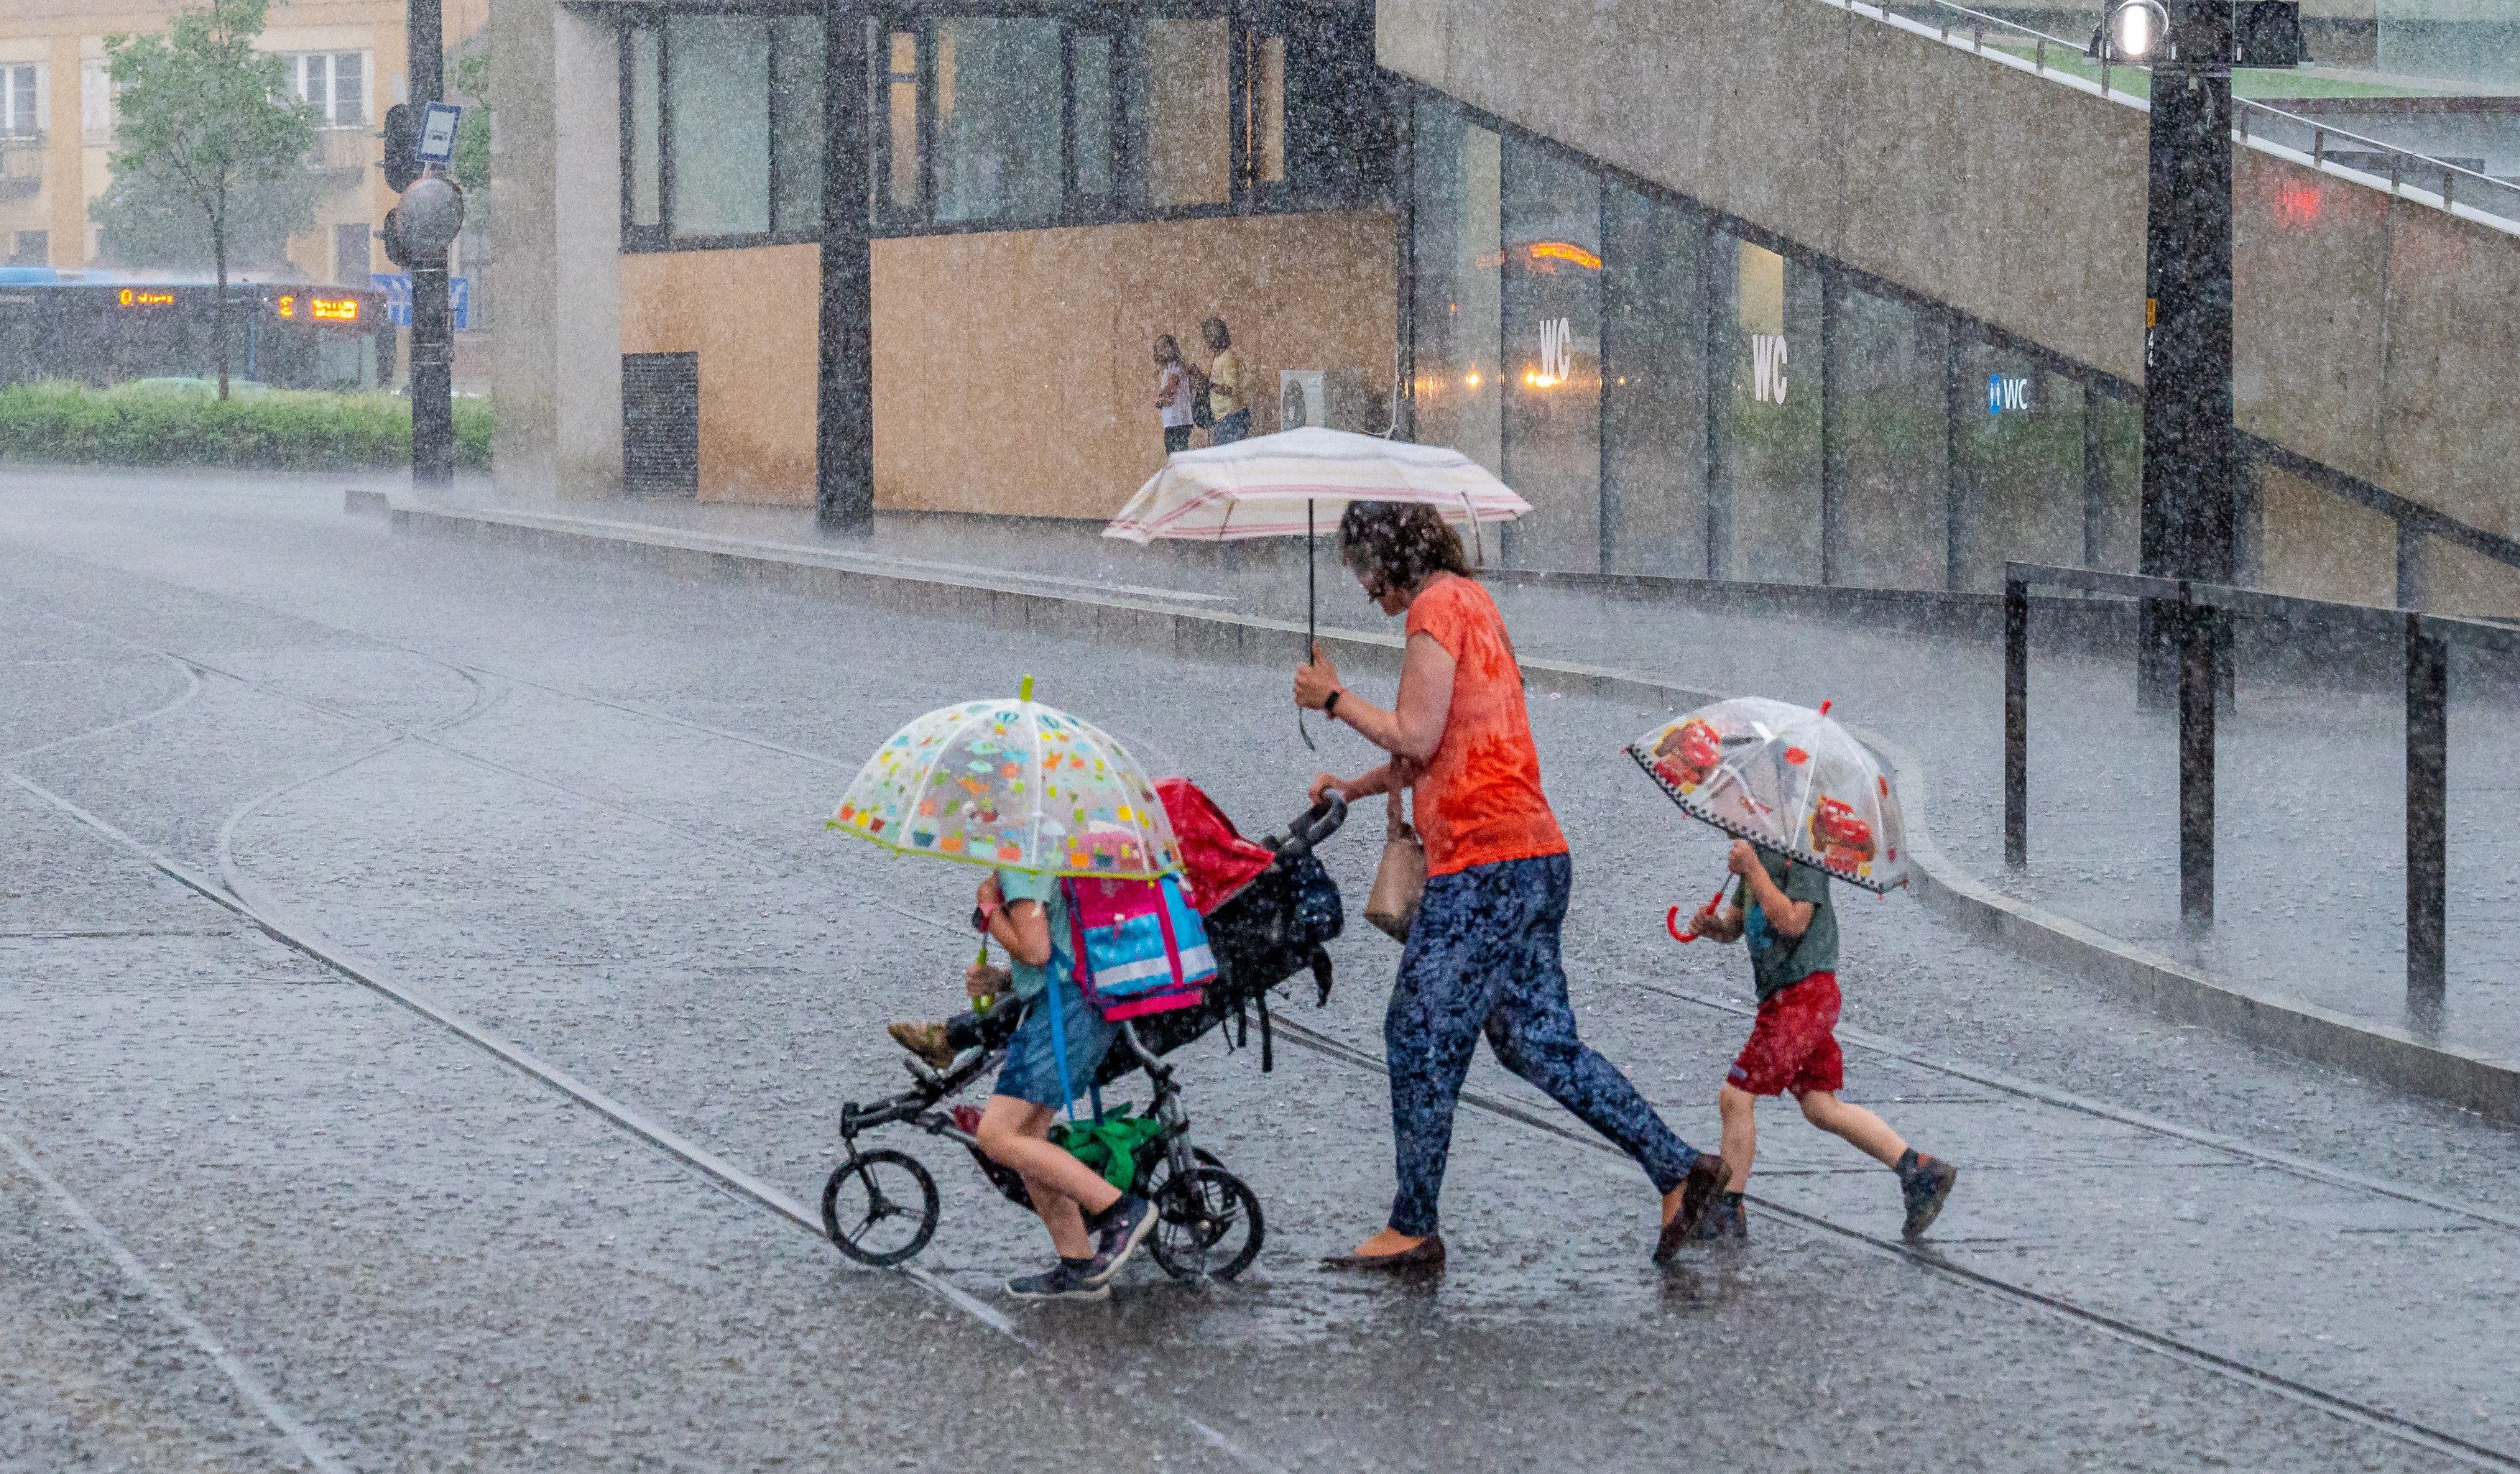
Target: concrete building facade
(1801, 294)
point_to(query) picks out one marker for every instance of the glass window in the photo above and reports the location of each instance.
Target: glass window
(25, 85)
(1550, 226)
(796, 124)
(2113, 517)
(2019, 442)
(717, 109)
(1764, 343)
(1888, 483)
(1653, 388)
(1266, 107)
(312, 84)
(1455, 255)
(349, 88)
(1094, 114)
(997, 107)
(901, 119)
(1181, 113)
(647, 122)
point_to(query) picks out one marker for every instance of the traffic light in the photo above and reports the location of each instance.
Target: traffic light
(402, 145)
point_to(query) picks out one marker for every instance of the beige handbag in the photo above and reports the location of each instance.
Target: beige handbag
(1400, 881)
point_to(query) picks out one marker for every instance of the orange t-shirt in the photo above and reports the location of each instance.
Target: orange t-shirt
(1479, 801)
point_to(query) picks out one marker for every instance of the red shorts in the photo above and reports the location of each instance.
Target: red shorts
(1793, 1046)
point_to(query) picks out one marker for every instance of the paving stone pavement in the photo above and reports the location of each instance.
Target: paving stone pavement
(583, 805)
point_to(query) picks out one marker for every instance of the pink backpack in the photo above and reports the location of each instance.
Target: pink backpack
(1139, 948)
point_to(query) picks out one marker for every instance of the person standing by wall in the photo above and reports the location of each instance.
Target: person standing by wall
(1482, 956)
(1225, 400)
(1172, 393)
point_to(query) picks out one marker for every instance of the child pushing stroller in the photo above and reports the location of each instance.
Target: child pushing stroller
(1100, 942)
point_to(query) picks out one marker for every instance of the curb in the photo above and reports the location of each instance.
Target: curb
(2466, 1078)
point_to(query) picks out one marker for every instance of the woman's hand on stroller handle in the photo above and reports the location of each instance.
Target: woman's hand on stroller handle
(1318, 822)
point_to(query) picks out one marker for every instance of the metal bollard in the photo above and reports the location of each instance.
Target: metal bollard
(2197, 642)
(2016, 723)
(2427, 820)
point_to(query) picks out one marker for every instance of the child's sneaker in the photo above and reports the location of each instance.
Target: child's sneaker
(1923, 1183)
(927, 1042)
(1118, 1233)
(1064, 1281)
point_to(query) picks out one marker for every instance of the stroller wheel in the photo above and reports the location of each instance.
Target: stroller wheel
(879, 1207)
(1208, 1224)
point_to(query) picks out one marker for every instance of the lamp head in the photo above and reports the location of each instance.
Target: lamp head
(2137, 27)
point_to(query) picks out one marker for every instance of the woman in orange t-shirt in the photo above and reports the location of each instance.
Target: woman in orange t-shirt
(1483, 952)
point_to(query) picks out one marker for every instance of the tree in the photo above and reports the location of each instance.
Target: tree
(199, 109)
(148, 219)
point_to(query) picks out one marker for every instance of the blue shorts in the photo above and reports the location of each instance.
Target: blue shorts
(1031, 1068)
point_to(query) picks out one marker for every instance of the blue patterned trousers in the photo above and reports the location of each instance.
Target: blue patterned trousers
(1482, 957)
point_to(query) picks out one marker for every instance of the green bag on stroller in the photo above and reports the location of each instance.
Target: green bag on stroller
(1108, 1145)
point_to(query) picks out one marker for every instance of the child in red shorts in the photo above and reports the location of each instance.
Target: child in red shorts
(1782, 910)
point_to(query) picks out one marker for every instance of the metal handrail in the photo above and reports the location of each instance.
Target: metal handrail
(2425, 639)
(2321, 134)
(1979, 22)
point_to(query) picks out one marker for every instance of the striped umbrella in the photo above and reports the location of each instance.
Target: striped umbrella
(1291, 482)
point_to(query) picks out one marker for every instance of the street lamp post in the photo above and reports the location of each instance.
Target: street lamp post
(2189, 514)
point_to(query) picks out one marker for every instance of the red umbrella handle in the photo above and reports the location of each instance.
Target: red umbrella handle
(1671, 921)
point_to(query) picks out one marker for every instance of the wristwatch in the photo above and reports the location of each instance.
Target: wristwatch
(1330, 704)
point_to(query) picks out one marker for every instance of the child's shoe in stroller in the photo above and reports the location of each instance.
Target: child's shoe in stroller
(1066, 1280)
(1117, 1231)
(927, 1042)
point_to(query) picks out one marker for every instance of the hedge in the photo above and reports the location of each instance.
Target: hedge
(179, 425)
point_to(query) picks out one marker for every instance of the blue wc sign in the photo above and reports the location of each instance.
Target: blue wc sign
(2007, 392)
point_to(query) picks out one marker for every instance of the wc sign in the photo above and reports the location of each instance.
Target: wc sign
(1556, 351)
(1767, 368)
(2007, 392)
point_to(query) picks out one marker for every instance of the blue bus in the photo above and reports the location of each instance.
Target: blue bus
(103, 327)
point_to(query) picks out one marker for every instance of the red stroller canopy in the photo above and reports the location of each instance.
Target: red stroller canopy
(1216, 859)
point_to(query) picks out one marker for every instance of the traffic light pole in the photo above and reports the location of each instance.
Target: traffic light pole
(844, 409)
(433, 346)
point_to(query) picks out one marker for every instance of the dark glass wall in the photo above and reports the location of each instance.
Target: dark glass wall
(1549, 209)
(2018, 436)
(1885, 432)
(1002, 117)
(1764, 470)
(1455, 305)
(1654, 386)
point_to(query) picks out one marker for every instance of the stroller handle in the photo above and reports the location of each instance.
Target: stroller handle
(1318, 822)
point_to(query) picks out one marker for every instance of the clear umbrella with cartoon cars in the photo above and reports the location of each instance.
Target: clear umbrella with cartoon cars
(1786, 778)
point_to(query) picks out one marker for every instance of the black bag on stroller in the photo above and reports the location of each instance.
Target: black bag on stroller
(1264, 933)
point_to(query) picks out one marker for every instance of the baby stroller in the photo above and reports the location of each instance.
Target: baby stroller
(1268, 908)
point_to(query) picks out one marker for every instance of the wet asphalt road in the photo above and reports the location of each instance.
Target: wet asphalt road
(254, 1213)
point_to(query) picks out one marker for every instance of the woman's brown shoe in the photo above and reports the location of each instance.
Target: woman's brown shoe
(1697, 1193)
(1425, 1254)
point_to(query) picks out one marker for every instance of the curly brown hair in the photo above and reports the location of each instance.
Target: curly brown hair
(1399, 545)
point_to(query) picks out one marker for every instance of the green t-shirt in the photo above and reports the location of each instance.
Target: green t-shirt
(1778, 962)
(1023, 885)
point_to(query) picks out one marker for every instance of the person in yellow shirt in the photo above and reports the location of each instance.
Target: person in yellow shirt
(1227, 401)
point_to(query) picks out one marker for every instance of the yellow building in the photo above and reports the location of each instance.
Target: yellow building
(346, 58)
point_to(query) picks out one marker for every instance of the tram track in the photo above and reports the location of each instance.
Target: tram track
(235, 893)
(230, 891)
